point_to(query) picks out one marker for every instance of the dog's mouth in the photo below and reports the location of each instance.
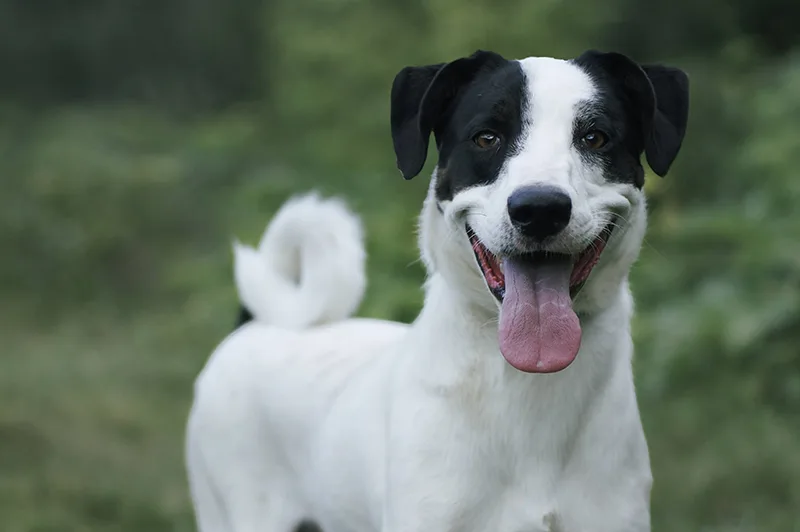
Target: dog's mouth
(539, 331)
(493, 268)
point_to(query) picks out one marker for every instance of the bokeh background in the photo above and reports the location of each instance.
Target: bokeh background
(137, 137)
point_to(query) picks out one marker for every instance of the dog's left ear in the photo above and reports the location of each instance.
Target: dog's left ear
(421, 97)
(660, 95)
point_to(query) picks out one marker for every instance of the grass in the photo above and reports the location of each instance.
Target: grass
(91, 419)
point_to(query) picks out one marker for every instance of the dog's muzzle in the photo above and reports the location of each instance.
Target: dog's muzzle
(539, 331)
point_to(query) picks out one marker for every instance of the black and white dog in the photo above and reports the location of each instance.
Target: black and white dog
(509, 404)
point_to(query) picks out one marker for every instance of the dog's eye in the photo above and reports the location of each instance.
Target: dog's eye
(594, 140)
(486, 140)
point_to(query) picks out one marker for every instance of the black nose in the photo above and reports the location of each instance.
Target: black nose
(539, 211)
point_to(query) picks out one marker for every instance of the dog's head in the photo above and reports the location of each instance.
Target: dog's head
(537, 194)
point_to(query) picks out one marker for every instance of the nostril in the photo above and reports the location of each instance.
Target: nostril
(539, 211)
(521, 214)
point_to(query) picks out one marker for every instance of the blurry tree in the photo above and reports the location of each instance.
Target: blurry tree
(189, 53)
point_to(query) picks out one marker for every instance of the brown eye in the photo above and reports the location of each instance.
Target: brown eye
(485, 140)
(594, 140)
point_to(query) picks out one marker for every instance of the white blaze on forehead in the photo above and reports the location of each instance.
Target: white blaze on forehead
(556, 82)
(554, 92)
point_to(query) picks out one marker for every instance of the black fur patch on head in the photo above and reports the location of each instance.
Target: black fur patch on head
(493, 102)
(620, 158)
(456, 102)
(640, 108)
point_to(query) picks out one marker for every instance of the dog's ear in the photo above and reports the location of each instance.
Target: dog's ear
(671, 87)
(660, 96)
(421, 98)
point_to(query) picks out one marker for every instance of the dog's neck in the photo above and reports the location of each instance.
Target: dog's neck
(467, 335)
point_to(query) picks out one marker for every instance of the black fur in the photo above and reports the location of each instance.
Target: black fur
(308, 526)
(643, 108)
(243, 317)
(455, 102)
(492, 102)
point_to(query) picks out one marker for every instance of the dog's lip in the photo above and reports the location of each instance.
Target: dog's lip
(583, 263)
(489, 264)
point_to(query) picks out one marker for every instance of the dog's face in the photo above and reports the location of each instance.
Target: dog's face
(538, 179)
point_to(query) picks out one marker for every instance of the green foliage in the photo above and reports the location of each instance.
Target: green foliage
(719, 323)
(181, 52)
(122, 191)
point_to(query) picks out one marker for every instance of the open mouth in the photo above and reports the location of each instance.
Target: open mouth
(492, 269)
(539, 331)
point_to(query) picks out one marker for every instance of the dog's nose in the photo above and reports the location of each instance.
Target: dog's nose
(539, 211)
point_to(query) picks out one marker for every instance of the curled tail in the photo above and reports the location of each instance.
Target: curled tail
(308, 268)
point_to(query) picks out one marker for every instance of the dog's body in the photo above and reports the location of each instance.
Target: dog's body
(364, 425)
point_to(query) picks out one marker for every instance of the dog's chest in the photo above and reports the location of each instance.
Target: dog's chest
(532, 420)
(490, 456)
(517, 456)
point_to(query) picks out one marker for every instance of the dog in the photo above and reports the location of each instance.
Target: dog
(509, 404)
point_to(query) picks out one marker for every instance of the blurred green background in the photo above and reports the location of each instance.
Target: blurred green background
(137, 137)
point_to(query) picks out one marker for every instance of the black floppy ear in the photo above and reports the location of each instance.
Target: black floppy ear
(410, 148)
(660, 97)
(421, 96)
(671, 88)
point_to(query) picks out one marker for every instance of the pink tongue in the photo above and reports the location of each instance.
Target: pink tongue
(539, 331)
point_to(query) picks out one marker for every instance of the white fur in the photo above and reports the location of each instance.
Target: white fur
(367, 426)
(282, 282)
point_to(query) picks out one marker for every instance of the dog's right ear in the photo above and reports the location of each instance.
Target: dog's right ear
(421, 97)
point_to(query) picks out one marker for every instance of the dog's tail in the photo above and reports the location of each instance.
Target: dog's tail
(308, 268)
